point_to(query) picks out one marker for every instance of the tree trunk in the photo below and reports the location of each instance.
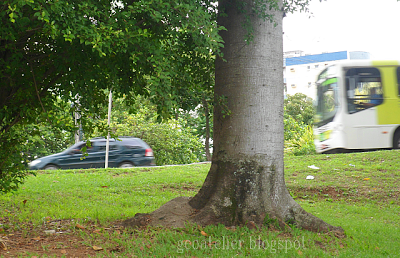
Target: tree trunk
(245, 183)
(246, 179)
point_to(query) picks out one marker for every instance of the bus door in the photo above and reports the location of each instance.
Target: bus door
(364, 96)
(388, 112)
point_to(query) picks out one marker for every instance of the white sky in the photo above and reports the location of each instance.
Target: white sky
(338, 25)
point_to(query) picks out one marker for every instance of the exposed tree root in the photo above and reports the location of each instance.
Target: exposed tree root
(310, 222)
(177, 212)
(174, 214)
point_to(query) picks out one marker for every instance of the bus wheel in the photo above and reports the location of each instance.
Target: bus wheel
(396, 140)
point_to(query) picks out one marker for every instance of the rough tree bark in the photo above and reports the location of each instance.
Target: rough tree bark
(246, 179)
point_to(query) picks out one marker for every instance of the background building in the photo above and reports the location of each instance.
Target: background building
(301, 70)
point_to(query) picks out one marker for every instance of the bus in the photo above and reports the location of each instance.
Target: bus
(358, 106)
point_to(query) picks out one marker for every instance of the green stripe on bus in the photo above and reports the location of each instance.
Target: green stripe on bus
(329, 81)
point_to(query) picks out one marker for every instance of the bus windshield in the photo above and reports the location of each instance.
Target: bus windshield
(327, 101)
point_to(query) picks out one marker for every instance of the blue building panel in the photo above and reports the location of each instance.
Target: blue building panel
(309, 59)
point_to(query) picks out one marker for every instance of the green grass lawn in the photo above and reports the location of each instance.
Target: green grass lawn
(359, 192)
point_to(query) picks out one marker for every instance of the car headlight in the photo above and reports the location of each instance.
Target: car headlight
(35, 162)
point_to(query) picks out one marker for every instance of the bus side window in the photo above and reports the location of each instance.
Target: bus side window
(364, 88)
(350, 86)
(398, 80)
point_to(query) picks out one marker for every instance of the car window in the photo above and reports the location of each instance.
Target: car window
(103, 147)
(78, 148)
(123, 142)
(135, 143)
(133, 147)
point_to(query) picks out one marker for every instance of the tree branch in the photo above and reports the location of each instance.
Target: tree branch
(37, 92)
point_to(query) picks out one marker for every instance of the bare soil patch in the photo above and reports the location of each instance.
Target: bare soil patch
(64, 239)
(345, 193)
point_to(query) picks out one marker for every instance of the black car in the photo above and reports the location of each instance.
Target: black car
(124, 152)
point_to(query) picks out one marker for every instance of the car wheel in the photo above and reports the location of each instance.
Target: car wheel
(126, 165)
(396, 140)
(51, 167)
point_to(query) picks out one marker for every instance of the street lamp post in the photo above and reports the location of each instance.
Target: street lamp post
(108, 122)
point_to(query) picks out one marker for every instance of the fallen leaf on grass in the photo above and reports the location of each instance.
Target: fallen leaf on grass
(339, 235)
(36, 238)
(366, 179)
(203, 233)
(3, 246)
(79, 226)
(63, 251)
(97, 248)
(233, 228)
(24, 201)
(104, 186)
(251, 225)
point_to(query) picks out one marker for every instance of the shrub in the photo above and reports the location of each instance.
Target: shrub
(291, 127)
(171, 141)
(302, 143)
(298, 119)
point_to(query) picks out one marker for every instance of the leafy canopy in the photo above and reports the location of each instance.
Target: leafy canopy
(75, 51)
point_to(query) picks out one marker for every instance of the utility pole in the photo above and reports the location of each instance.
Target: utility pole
(108, 122)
